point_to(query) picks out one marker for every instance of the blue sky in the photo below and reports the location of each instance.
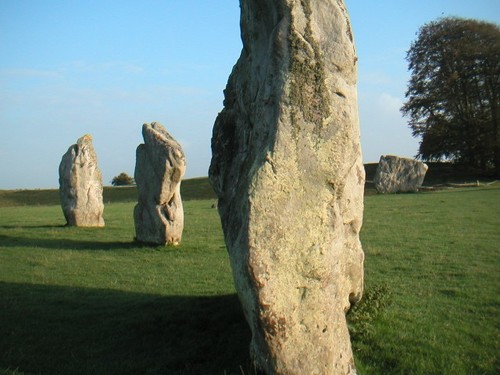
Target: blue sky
(104, 67)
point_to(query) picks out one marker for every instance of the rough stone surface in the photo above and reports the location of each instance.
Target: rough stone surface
(80, 185)
(286, 166)
(399, 175)
(160, 165)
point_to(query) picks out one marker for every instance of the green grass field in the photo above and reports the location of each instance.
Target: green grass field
(91, 301)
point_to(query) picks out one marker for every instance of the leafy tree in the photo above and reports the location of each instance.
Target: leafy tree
(454, 92)
(122, 179)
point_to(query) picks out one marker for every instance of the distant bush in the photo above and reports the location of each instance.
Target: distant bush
(122, 179)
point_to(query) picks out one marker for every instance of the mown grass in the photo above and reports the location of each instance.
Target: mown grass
(437, 255)
(91, 301)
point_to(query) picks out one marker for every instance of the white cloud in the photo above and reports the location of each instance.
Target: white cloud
(383, 128)
(389, 104)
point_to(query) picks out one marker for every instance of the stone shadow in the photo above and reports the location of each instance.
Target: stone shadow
(33, 226)
(65, 330)
(65, 244)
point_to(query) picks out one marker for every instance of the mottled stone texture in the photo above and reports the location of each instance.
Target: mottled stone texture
(80, 185)
(399, 175)
(287, 170)
(160, 165)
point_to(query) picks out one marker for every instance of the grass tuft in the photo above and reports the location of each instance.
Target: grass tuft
(362, 315)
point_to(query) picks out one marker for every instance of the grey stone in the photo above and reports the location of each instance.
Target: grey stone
(80, 185)
(399, 175)
(160, 166)
(286, 167)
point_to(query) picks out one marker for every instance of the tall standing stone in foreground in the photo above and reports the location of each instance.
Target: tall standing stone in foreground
(399, 175)
(80, 185)
(286, 166)
(160, 165)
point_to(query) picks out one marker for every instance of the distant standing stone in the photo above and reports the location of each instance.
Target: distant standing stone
(160, 166)
(286, 167)
(399, 175)
(80, 185)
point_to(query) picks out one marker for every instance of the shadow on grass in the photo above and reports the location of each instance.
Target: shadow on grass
(64, 330)
(67, 244)
(32, 226)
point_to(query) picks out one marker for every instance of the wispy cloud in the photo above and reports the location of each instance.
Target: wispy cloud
(374, 78)
(101, 67)
(389, 104)
(70, 70)
(17, 73)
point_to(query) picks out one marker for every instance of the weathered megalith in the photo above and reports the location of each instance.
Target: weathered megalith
(80, 185)
(286, 166)
(399, 175)
(160, 165)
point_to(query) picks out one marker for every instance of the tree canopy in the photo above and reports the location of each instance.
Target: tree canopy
(122, 179)
(454, 91)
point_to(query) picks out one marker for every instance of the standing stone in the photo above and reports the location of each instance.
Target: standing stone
(80, 185)
(160, 165)
(286, 166)
(399, 175)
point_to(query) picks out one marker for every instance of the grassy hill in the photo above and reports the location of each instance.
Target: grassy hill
(199, 188)
(191, 189)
